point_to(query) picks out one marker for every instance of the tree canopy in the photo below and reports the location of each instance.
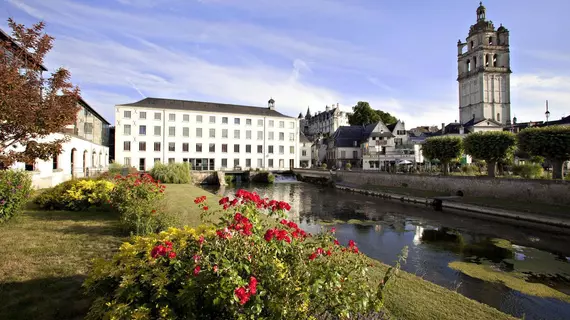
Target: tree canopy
(31, 107)
(363, 114)
(552, 143)
(493, 146)
(444, 149)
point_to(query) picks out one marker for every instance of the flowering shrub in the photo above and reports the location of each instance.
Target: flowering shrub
(15, 188)
(139, 200)
(76, 195)
(245, 266)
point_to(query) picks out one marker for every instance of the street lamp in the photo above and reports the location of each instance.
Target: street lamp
(547, 113)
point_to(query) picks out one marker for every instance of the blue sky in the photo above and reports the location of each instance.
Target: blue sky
(400, 56)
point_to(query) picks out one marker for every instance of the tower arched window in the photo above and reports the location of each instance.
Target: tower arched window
(468, 65)
(472, 45)
(495, 60)
(487, 60)
(490, 41)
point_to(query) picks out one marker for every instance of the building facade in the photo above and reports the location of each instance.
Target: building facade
(323, 124)
(210, 136)
(305, 148)
(483, 63)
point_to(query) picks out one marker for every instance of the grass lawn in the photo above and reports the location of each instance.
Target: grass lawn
(46, 256)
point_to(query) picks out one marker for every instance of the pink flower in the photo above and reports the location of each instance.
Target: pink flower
(333, 230)
(215, 268)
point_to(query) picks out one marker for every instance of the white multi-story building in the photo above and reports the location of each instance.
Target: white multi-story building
(305, 147)
(210, 136)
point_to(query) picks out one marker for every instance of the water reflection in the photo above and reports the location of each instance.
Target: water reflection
(382, 228)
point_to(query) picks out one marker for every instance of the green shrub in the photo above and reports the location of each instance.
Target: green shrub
(244, 267)
(348, 166)
(470, 169)
(528, 170)
(270, 178)
(76, 195)
(15, 188)
(324, 166)
(177, 173)
(139, 199)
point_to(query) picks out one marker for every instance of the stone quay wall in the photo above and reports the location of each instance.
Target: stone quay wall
(525, 190)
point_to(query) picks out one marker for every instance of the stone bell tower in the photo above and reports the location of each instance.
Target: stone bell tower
(483, 66)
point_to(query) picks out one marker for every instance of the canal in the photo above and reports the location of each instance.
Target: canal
(435, 239)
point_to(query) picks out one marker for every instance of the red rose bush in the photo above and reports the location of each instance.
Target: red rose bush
(251, 263)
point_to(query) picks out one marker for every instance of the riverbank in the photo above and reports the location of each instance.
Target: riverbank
(551, 214)
(47, 255)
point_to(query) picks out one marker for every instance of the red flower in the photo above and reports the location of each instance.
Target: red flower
(333, 230)
(320, 251)
(269, 234)
(283, 221)
(312, 256)
(351, 243)
(329, 252)
(292, 224)
(196, 258)
(355, 249)
(242, 295)
(252, 285)
(215, 268)
(172, 255)
(196, 270)
(201, 239)
(205, 208)
(336, 242)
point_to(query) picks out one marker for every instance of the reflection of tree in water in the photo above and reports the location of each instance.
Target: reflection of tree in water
(363, 229)
(454, 241)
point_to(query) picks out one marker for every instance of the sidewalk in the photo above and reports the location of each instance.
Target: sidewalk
(545, 213)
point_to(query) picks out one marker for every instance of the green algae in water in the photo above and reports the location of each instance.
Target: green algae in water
(514, 280)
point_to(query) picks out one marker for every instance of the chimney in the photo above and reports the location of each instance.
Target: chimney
(327, 108)
(443, 127)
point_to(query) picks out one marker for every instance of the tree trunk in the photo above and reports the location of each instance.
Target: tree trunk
(491, 168)
(501, 168)
(557, 169)
(445, 168)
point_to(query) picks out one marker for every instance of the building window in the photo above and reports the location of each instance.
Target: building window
(171, 117)
(171, 146)
(291, 125)
(259, 135)
(224, 133)
(212, 119)
(212, 133)
(157, 130)
(270, 163)
(212, 147)
(270, 149)
(236, 163)
(281, 136)
(499, 117)
(259, 163)
(157, 116)
(236, 134)
(54, 164)
(259, 148)
(304, 153)
(495, 60)
(224, 163)
(271, 124)
(281, 163)
(281, 149)
(270, 136)
(291, 149)
(198, 147)
(343, 154)
(171, 131)
(88, 128)
(142, 115)
(198, 132)
(157, 146)
(142, 146)
(236, 121)
(185, 132)
(248, 134)
(171, 160)
(185, 147)
(127, 114)
(198, 119)
(248, 122)
(127, 146)
(260, 123)
(236, 148)
(127, 129)
(248, 163)
(354, 154)
(248, 148)
(142, 164)
(291, 136)
(127, 161)
(281, 124)
(224, 120)
(224, 148)
(186, 118)
(142, 130)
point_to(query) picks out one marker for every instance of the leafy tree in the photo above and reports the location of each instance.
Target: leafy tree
(31, 107)
(444, 149)
(386, 117)
(493, 147)
(552, 143)
(363, 114)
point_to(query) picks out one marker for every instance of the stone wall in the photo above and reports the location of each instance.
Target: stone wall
(204, 177)
(551, 191)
